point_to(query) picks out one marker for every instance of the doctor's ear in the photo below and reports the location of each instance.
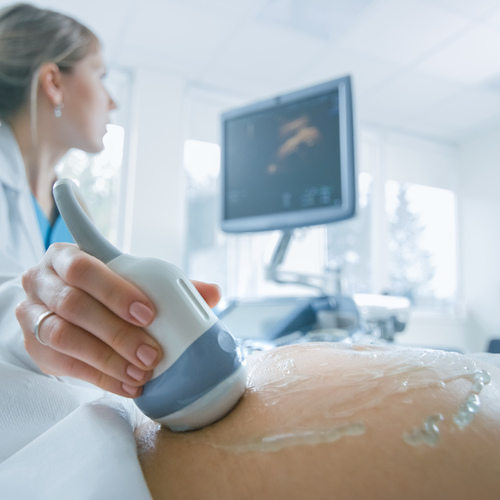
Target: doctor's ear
(50, 83)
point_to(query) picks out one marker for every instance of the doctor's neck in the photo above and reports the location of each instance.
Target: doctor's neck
(40, 154)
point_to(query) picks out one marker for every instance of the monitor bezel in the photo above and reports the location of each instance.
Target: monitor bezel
(299, 218)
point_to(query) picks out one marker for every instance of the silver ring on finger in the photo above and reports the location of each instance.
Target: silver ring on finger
(38, 324)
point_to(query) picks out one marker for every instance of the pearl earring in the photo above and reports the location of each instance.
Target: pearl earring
(58, 110)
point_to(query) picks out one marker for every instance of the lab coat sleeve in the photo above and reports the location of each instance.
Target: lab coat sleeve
(10, 268)
(11, 336)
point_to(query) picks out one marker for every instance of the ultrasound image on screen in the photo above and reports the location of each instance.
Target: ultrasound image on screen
(284, 159)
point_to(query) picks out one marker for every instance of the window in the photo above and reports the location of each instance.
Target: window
(99, 176)
(206, 246)
(99, 179)
(349, 243)
(422, 244)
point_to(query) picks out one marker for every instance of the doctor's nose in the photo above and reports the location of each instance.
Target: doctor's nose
(111, 103)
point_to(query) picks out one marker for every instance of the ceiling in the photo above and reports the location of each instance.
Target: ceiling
(427, 67)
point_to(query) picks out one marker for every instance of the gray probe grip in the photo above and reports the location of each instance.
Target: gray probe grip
(69, 201)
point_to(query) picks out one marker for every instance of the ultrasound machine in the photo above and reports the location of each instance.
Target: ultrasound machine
(288, 163)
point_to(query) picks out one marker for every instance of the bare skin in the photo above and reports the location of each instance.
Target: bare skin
(322, 422)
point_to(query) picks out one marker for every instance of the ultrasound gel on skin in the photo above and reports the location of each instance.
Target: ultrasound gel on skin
(202, 375)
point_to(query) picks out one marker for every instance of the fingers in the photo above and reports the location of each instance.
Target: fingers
(71, 351)
(96, 299)
(87, 314)
(60, 365)
(78, 269)
(96, 332)
(210, 292)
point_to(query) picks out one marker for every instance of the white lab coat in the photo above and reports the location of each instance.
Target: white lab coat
(21, 244)
(74, 439)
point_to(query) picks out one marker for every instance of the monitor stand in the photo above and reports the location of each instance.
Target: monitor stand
(329, 315)
(329, 283)
(332, 315)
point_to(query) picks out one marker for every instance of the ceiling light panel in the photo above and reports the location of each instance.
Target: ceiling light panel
(402, 32)
(267, 52)
(367, 72)
(324, 19)
(178, 31)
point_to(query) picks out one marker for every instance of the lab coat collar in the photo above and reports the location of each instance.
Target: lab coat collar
(11, 161)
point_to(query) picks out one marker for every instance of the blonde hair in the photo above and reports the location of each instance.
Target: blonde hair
(29, 38)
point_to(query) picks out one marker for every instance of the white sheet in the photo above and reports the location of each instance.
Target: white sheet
(486, 357)
(90, 454)
(61, 438)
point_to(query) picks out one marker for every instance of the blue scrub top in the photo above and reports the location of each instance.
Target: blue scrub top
(57, 233)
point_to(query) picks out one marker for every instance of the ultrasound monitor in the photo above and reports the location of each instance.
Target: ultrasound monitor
(288, 162)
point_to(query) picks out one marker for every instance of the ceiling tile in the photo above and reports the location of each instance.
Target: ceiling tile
(473, 58)
(402, 32)
(493, 19)
(105, 17)
(404, 97)
(464, 111)
(135, 57)
(177, 31)
(429, 67)
(469, 7)
(325, 19)
(247, 88)
(239, 8)
(367, 72)
(262, 52)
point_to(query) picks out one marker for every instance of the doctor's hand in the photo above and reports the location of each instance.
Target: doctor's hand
(93, 329)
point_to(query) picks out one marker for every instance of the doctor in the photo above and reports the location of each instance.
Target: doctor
(78, 318)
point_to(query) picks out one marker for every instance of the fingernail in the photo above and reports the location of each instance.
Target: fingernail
(147, 354)
(142, 313)
(135, 373)
(130, 390)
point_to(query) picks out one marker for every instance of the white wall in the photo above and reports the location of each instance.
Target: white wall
(155, 200)
(164, 110)
(479, 215)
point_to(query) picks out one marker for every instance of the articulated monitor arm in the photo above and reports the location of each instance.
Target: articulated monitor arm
(324, 283)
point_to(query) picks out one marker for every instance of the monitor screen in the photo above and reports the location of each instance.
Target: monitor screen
(288, 162)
